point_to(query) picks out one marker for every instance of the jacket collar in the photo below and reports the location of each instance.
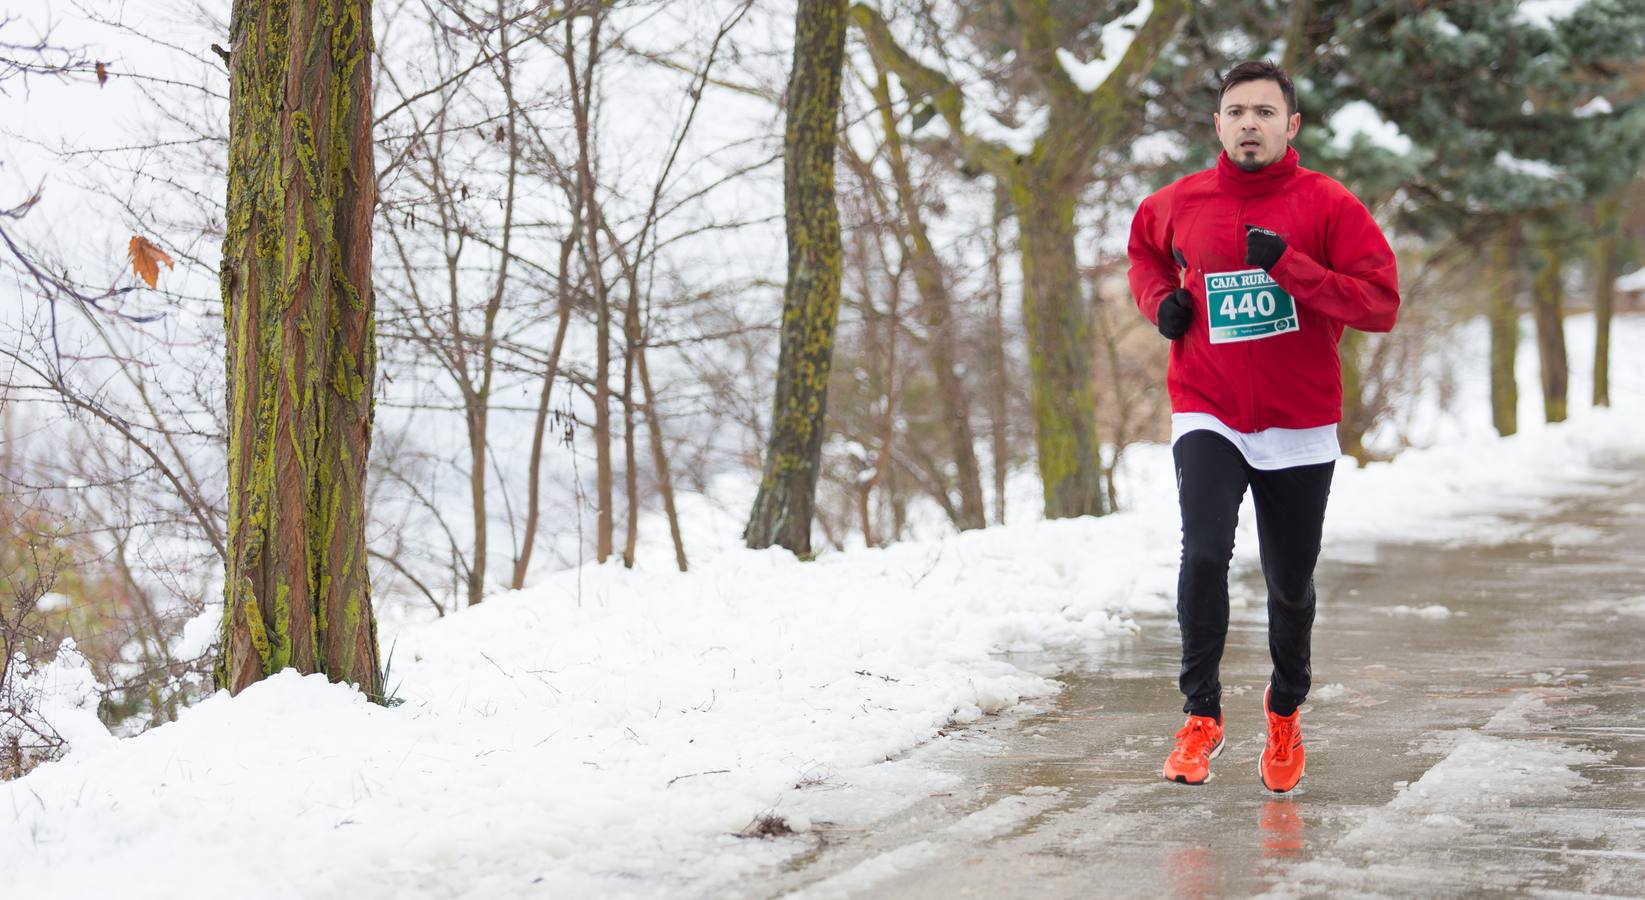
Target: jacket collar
(1246, 185)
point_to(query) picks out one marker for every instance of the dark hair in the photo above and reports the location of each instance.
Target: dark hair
(1263, 70)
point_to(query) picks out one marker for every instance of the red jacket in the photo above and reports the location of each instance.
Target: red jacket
(1337, 266)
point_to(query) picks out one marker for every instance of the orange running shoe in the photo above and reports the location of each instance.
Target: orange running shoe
(1199, 742)
(1280, 765)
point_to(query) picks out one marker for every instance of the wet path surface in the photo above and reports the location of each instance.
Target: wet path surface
(1477, 726)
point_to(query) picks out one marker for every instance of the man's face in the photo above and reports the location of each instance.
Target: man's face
(1253, 125)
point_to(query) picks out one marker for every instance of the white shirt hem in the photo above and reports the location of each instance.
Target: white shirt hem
(1269, 449)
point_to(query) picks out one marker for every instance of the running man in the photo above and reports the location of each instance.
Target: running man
(1252, 269)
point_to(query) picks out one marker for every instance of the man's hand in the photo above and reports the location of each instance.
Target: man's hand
(1262, 247)
(1175, 312)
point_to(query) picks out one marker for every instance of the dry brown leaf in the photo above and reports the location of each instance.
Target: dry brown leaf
(146, 259)
(102, 73)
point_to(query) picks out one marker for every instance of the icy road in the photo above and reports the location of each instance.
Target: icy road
(1477, 726)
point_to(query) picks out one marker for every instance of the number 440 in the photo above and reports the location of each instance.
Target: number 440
(1259, 304)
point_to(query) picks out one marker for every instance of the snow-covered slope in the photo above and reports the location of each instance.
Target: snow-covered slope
(609, 731)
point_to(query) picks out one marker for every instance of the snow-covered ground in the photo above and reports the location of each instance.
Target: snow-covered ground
(611, 731)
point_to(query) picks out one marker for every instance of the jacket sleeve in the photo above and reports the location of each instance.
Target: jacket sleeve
(1359, 283)
(1153, 273)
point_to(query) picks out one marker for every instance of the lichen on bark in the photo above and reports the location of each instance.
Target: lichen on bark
(811, 300)
(300, 342)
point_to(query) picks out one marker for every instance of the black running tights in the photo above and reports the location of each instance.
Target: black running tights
(1211, 480)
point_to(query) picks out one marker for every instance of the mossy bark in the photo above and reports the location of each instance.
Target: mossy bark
(1058, 327)
(811, 301)
(1502, 311)
(301, 346)
(1549, 306)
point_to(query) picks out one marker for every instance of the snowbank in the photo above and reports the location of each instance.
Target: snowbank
(609, 731)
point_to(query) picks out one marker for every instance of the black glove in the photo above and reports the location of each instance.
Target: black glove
(1175, 312)
(1262, 247)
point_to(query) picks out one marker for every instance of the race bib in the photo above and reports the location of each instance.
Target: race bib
(1247, 306)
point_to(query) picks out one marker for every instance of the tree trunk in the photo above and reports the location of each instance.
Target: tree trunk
(811, 302)
(1351, 430)
(604, 520)
(1296, 38)
(659, 459)
(1550, 325)
(522, 564)
(1607, 269)
(998, 395)
(477, 417)
(582, 102)
(480, 416)
(631, 469)
(1058, 349)
(937, 315)
(1503, 312)
(880, 340)
(301, 347)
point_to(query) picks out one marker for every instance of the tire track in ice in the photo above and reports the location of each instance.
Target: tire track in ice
(998, 818)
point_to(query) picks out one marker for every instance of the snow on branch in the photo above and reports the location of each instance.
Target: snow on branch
(1546, 13)
(1116, 39)
(1083, 111)
(1361, 118)
(1530, 168)
(1599, 106)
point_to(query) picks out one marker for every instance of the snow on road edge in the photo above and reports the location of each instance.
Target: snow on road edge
(609, 730)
